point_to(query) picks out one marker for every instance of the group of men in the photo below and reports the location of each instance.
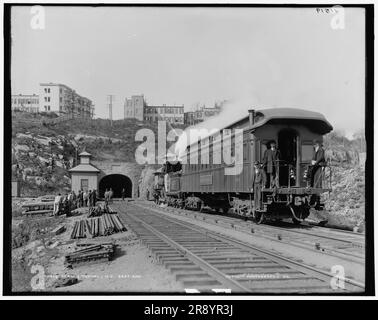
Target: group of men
(266, 173)
(64, 204)
(87, 198)
(108, 195)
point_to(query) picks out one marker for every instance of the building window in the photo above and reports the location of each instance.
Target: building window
(84, 184)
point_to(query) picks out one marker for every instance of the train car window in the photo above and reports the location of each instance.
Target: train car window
(307, 152)
(263, 149)
(233, 146)
(245, 151)
(210, 155)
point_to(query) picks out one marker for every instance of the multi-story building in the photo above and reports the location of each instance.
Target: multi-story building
(134, 107)
(171, 114)
(61, 99)
(201, 114)
(189, 118)
(25, 102)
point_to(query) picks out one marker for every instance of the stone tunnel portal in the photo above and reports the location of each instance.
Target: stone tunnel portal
(117, 182)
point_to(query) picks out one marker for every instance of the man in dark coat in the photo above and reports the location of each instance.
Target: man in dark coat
(80, 198)
(94, 193)
(90, 198)
(271, 162)
(259, 181)
(318, 160)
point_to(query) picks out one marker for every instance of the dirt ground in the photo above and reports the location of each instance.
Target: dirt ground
(352, 270)
(133, 268)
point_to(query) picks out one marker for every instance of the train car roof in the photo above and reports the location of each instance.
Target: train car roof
(315, 120)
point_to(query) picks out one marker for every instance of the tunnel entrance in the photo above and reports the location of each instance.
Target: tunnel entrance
(117, 182)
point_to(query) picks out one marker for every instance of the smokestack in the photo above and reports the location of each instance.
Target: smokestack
(251, 117)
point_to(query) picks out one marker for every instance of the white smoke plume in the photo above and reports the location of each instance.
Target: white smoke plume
(232, 110)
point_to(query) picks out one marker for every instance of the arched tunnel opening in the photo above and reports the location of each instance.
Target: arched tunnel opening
(117, 182)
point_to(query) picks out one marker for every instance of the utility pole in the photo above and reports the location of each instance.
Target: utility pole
(110, 100)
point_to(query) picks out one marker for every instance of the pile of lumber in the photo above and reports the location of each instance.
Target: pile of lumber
(99, 210)
(91, 253)
(59, 229)
(104, 225)
(38, 207)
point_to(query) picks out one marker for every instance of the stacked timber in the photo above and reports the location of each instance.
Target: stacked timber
(104, 225)
(99, 210)
(91, 253)
(38, 207)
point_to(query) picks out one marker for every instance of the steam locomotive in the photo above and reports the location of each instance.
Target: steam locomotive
(200, 185)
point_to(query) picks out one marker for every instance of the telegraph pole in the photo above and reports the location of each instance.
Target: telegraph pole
(110, 101)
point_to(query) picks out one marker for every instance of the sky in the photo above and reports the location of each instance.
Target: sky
(257, 57)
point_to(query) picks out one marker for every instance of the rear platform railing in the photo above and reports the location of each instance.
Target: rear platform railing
(287, 175)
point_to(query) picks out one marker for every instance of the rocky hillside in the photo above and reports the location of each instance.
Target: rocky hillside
(42, 163)
(339, 149)
(43, 154)
(346, 203)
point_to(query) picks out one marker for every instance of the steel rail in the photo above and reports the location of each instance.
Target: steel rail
(273, 237)
(301, 267)
(295, 231)
(215, 273)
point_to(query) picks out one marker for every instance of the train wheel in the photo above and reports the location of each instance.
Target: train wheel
(299, 214)
(259, 217)
(296, 221)
(225, 209)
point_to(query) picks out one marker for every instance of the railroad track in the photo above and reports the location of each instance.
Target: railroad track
(346, 245)
(208, 261)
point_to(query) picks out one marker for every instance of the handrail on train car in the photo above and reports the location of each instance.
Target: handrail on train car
(292, 174)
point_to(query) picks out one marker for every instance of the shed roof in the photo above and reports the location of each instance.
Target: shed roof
(160, 170)
(85, 154)
(84, 168)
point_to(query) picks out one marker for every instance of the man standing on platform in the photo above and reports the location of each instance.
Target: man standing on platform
(271, 163)
(259, 181)
(318, 161)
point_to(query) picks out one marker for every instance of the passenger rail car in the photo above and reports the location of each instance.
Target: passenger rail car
(206, 185)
